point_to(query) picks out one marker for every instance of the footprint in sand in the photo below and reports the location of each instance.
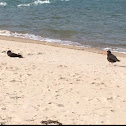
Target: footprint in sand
(39, 53)
(62, 66)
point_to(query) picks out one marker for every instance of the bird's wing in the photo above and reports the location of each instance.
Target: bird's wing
(113, 57)
(14, 54)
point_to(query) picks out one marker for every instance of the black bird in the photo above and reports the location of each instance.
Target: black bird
(9, 53)
(111, 58)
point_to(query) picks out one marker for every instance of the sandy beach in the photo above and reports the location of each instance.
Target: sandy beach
(60, 83)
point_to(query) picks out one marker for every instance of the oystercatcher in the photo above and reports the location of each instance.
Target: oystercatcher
(9, 53)
(111, 58)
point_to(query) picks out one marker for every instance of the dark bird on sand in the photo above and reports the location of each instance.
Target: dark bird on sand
(111, 58)
(9, 53)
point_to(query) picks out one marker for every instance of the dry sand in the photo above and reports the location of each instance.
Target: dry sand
(70, 86)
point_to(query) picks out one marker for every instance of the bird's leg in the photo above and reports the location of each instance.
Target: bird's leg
(110, 64)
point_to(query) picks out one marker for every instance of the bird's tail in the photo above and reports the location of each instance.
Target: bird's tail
(118, 60)
(20, 56)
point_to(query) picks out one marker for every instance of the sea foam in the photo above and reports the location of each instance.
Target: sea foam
(3, 3)
(24, 5)
(37, 2)
(41, 2)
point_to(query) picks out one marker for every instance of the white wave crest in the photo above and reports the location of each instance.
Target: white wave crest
(3, 3)
(4, 32)
(37, 2)
(15, 34)
(65, 0)
(24, 5)
(41, 2)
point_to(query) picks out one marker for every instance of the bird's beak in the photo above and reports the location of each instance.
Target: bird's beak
(105, 53)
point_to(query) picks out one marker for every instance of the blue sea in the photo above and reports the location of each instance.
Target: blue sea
(84, 23)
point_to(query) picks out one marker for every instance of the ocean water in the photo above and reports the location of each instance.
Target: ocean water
(86, 23)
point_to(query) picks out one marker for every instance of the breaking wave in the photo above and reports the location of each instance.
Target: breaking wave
(36, 37)
(3, 3)
(41, 2)
(37, 2)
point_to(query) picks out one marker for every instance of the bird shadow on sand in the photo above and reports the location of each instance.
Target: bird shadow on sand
(120, 66)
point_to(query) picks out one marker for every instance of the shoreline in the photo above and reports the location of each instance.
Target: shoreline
(88, 49)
